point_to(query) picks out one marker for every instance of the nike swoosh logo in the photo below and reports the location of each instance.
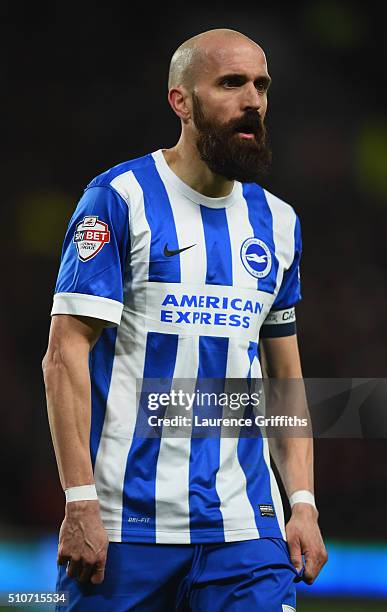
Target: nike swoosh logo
(169, 253)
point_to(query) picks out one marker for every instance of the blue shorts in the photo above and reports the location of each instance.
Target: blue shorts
(226, 577)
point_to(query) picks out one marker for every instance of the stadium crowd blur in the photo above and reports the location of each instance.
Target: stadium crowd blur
(84, 89)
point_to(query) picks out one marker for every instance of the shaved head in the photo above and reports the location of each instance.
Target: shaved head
(194, 55)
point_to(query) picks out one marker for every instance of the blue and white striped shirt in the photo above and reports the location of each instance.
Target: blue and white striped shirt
(187, 284)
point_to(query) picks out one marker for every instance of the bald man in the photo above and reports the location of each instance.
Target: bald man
(174, 267)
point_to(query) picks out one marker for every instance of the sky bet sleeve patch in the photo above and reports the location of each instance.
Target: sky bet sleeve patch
(91, 235)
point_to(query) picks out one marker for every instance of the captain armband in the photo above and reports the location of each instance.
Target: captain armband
(279, 323)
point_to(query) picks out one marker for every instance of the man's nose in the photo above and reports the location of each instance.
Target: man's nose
(251, 99)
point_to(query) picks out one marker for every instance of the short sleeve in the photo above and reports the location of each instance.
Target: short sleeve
(281, 320)
(94, 256)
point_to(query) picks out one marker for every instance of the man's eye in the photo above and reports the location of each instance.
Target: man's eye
(261, 86)
(231, 82)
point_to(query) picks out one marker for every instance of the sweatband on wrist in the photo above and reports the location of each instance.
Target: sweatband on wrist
(82, 493)
(305, 497)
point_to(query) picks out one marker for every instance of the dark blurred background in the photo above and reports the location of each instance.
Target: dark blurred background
(83, 88)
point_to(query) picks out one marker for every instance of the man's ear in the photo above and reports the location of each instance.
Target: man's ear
(179, 100)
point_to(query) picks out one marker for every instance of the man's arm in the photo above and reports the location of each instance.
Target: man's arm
(83, 539)
(293, 457)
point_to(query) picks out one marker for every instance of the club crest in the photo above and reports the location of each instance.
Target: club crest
(256, 257)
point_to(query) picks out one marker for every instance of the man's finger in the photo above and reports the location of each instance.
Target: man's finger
(313, 567)
(85, 572)
(311, 571)
(314, 564)
(62, 559)
(295, 554)
(98, 572)
(73, 569)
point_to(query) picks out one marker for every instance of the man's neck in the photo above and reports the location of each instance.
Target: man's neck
(184, 160)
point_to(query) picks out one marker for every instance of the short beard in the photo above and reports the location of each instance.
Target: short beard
(227, 154)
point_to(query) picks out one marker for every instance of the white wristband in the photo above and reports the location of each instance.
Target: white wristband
(82, 493)
(305, 497)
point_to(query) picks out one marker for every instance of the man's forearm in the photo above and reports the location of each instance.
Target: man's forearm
(294, 460)
(292, 447)
(292, 451)
(67, 381)
(83, 541)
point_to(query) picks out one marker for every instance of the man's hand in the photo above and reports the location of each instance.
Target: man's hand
(304, 538)
(83, 542)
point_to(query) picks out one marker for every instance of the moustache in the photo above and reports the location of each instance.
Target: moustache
(249, 123)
